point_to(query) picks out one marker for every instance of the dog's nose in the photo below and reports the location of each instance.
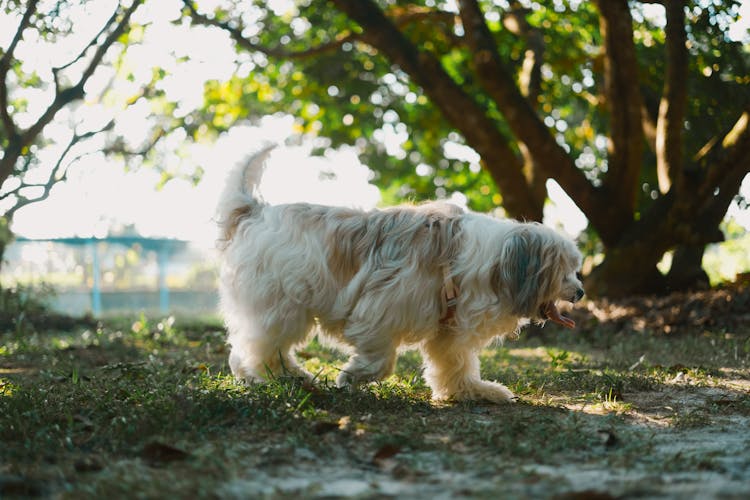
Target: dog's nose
(578, 296)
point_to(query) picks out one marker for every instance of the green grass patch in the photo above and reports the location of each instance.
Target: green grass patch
(146, 407)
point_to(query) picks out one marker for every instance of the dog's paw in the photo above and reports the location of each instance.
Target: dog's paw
(481, 390)
(346, 380)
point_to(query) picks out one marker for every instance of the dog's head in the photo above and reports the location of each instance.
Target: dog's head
(537, 267)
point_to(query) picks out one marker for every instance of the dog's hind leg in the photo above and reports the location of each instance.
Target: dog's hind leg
(452, 372)
(261, 351)
(374, 354)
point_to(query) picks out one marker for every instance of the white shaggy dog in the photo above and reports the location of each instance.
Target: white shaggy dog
(430, 276)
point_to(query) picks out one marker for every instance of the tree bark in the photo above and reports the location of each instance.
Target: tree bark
(686, 271)
(624, 103)
(686, 216)
(634, 247)
(669, 125)
(550, 158)
(530, 85)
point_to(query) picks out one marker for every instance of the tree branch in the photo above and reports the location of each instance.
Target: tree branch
(530, 78)
(119, 148)
(553, 160)
(624, 101)
(68, 95)
(63, 97)
(669, 161)
(402, 17)
(699, 202)
(92, 43)
(729, 158)
(649, 127)
(236, 34)
(5, 62)
(460, 109)
(59, 172)
(530, 83)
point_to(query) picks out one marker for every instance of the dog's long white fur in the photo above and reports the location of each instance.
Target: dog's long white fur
(372, 280)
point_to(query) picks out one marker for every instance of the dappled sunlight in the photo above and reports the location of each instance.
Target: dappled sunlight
(612, 312)
(722, 309)
(7, 388)
(589, 407)
(549, 355)
(681, 401)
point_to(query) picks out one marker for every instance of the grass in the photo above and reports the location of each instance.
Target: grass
(147, 407)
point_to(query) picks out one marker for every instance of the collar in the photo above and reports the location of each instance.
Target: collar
(448, 296)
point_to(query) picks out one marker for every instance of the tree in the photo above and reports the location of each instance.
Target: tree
(644, 125)
(21, 182)
(56, 112)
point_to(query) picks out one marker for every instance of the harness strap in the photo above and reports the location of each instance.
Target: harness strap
(448, 296)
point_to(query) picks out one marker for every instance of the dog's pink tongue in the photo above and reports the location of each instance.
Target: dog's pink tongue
(550, 310)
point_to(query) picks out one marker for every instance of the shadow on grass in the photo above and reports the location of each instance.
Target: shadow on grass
(160, 392)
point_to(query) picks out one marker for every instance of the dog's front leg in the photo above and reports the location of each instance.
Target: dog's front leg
(452, 372)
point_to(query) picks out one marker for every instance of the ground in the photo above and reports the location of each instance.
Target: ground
(648, 397)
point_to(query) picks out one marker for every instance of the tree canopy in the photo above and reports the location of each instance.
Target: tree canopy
(639, 110)
(67, 86)
(61, 85)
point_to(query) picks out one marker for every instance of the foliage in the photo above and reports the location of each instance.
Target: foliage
(723, 262)
(352, 94)
(69, 93)
(477, 100)
(20, 302)
(536, 90)
(37, 91)
(26, 308)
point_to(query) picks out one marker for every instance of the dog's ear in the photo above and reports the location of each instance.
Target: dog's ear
(516, 276)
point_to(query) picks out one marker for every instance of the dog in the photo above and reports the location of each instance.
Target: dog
(430, 276)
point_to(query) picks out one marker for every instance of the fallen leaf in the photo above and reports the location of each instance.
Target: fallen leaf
(386, 451)
(325, 427)
(157, 453)
(88, 464)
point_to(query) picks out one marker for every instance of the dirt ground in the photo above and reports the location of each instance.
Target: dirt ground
(691, 437)
(705, 461)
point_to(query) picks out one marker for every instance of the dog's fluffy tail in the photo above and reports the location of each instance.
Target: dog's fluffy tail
(240, 198)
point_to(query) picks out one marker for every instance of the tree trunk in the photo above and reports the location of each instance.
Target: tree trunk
(687, 271)
(624, 276)
(6, 236)
(630, 267)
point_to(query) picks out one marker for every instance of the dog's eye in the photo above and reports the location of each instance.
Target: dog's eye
(579, 275)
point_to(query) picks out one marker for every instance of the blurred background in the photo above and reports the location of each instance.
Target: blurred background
(623, 124)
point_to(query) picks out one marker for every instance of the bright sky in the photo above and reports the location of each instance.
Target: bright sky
(100, 195)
